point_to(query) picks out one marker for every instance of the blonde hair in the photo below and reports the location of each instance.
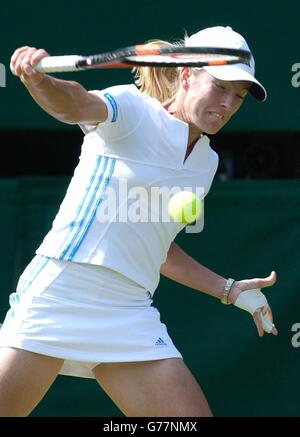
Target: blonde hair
(159, 82)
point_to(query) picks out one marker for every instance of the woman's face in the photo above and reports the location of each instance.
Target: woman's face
(209, 103)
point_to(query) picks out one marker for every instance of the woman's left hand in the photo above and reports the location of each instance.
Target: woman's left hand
(246, 294)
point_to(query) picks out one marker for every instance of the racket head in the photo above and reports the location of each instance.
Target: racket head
(190, 56)
(160, 55)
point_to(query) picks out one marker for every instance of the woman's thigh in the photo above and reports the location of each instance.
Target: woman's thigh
(25, 378)
(153, 388)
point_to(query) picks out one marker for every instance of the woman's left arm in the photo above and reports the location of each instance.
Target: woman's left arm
(182, 268)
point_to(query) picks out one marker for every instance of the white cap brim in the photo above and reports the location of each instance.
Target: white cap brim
(236, 72)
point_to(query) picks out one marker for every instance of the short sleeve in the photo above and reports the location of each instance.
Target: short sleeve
(125, 107)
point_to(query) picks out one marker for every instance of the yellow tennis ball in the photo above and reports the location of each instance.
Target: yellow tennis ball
(184, 207)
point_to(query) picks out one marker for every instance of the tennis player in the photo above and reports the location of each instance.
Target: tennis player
(83, 306)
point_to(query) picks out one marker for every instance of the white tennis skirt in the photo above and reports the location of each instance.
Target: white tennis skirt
(85, 314)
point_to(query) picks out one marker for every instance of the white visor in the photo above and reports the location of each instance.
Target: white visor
(220, 36)
(237, 72)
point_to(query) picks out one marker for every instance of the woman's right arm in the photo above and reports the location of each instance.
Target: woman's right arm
(67, 101)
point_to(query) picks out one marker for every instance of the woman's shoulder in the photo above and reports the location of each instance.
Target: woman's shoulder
(130, 90)
(125, 89)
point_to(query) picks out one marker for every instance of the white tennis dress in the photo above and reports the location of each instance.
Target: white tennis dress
(87, 295)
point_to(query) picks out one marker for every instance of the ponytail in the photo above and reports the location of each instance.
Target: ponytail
(158, 82)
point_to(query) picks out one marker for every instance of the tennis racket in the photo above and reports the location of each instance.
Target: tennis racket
(155, 55)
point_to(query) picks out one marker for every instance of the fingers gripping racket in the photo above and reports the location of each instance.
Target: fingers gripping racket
(156, 55)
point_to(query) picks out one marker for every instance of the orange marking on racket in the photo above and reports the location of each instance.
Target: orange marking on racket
(116, 65)
(212, 63)
(142, 50)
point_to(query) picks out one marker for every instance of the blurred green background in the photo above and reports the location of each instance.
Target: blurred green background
(270, 27)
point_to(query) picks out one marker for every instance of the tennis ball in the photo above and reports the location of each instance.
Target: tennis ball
(184, 207)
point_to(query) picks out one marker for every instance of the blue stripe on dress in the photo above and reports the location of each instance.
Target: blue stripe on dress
(34, 263)
(113, 105)
(74, 227)
(33, 269)
(99, 194)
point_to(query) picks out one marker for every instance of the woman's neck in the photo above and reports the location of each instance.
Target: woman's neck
(194, 132)
(194, 135)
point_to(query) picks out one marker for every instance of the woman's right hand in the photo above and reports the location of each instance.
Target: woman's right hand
(22, 62)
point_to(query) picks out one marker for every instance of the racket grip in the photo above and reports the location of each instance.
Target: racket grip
(58, 64)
